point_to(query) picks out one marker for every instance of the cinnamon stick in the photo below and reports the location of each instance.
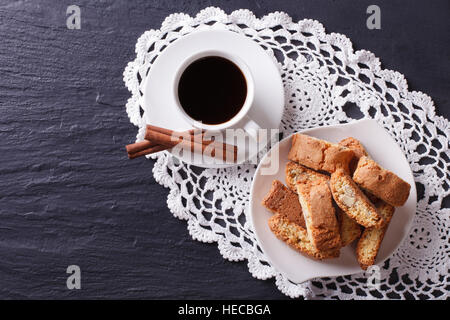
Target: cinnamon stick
(158, 139)
(186, 135)
(146, 144)
(171, 138)
(139, 146)
(153, 149)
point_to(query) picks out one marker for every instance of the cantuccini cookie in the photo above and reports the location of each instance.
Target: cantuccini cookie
(297, 237)
(355, 145)
(371, 238)
(353, 201)
(380, 182)
(358, 149)
(319, 154)
(318, 211)
(284, 201)
(296, 173)
(348, 228)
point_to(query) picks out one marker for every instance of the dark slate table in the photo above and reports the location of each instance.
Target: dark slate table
(68, 194)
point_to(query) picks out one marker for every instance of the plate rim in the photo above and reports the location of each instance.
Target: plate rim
(413, 194)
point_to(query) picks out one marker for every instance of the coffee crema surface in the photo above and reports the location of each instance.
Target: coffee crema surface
(212, 90)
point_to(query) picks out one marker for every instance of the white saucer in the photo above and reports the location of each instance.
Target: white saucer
(158, 91)
(297, 267)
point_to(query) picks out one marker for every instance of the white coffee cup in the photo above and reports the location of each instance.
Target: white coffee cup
(249, 125)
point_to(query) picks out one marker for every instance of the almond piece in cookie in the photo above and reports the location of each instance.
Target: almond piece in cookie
(353, 201)
(284, 201)
(297, 238)
(380, 182)
(320, 218)
(371, 238)
(319, 154)
(296, 173)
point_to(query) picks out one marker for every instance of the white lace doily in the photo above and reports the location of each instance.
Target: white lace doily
(325, 82)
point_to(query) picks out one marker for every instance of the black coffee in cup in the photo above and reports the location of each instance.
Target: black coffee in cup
(212, 90)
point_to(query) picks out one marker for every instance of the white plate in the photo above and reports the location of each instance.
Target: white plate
(158, 90)
(297, 267)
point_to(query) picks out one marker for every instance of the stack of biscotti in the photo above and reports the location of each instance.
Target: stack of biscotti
(336, 194)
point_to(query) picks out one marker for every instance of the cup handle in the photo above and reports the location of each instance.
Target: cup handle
(251, 127)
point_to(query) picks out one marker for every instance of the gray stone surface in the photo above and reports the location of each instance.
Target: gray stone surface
(69, 195)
